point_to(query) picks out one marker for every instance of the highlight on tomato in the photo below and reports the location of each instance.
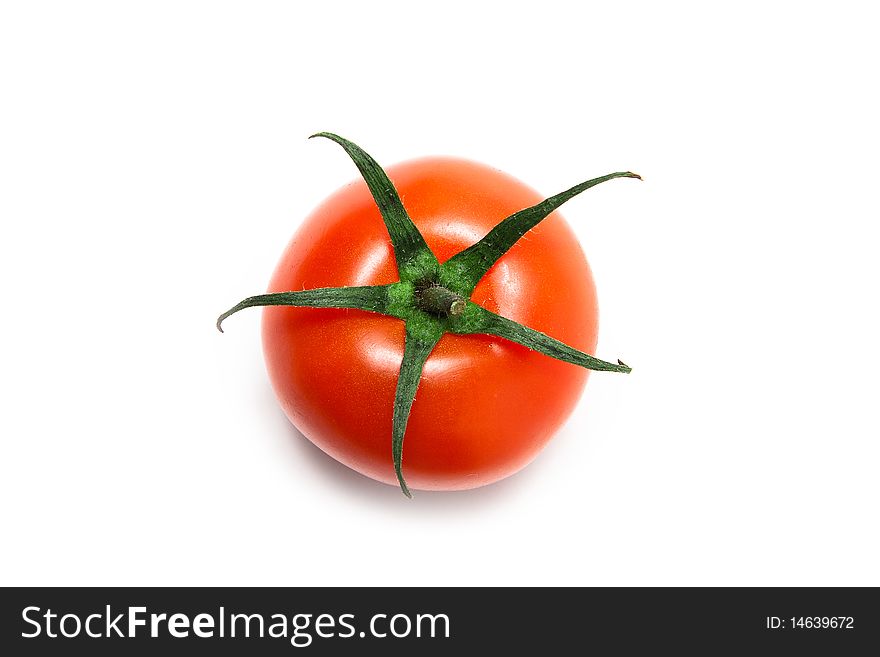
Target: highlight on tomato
(442, 302)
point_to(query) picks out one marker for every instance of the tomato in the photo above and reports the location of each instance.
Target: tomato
(485, 406)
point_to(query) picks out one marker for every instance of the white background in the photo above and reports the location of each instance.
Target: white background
(154, 163)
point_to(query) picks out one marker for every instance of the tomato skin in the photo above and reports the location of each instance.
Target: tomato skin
(485, 407)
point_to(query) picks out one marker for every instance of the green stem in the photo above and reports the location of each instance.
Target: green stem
(437, 300)
(410, 248)
(415, 353)
(481, 320)
(470, 265)
(371, 298)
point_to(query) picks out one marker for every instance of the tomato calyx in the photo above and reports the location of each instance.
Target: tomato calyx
(432, 298)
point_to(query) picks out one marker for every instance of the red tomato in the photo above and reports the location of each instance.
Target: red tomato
(335, 370)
